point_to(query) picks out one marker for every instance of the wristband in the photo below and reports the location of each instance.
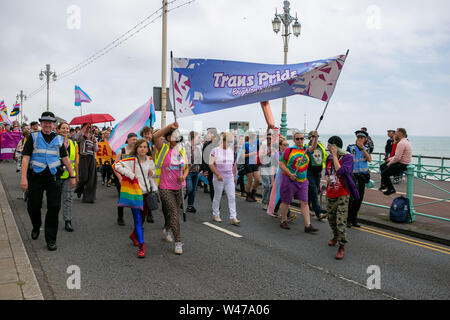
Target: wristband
(72, 177)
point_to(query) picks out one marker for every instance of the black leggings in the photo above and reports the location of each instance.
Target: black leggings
(106, 172)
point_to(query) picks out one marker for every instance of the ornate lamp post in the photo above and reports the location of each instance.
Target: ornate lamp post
(286, 19)
(47, 73)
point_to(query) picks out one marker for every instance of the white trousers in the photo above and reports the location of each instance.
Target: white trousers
(228, 185)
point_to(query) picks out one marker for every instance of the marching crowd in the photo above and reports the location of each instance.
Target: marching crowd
(155, 167)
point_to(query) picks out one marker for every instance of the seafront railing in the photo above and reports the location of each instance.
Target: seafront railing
(417, 171)
(421, 168)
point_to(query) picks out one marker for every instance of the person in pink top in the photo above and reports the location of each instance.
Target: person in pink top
(398, 163)
(221, 163)
(171, 171)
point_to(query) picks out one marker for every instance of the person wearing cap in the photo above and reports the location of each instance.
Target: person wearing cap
(318, 157)
(369, 143)
(389, 144)
(41, 155)
(340, 186)
(124, 153)
(361, 159)
(87, 166)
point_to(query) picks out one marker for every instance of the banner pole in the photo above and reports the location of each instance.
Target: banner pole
(174, 109)
(323, 113)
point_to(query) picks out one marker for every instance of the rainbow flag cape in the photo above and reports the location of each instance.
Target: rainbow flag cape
(130, 191)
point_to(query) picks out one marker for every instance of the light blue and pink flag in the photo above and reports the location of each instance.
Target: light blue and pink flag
(81, 96)
(132, 123)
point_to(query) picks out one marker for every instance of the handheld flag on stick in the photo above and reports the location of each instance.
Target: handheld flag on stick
(3, 107)
(15, 111)
(81, 96)
(132, 123)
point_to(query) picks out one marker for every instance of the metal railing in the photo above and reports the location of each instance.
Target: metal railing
(416, 172)
(424, 170)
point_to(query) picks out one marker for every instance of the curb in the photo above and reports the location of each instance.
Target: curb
(24, 276)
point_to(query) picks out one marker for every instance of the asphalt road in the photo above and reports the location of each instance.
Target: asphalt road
(267, 262)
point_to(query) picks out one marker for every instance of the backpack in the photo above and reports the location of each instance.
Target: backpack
(400, 210)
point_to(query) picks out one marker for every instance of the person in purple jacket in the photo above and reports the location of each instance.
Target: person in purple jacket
(340, 186)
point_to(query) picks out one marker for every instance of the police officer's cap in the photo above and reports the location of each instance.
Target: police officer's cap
(47, 116)
(360, 133)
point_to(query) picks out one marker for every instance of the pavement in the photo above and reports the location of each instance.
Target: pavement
(256, 260)
(17, 278)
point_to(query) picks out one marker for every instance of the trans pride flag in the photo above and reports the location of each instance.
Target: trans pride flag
(133, 123)
(206, 85)
(81, 96)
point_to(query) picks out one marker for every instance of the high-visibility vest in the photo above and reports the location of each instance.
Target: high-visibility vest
(160, 156)
(360, 164)
(45, 154)
(72, 156)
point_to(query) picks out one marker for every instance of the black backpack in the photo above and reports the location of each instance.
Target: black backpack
(400, 210)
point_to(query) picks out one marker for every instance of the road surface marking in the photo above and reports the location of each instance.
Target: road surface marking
(413, 243)
(409, 239)
(222, 229)
(391, 236)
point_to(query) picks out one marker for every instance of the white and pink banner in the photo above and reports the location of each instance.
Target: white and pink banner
(8, 144)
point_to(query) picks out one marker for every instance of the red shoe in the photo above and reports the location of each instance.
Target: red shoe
(332, 242)
(134, 239)
(340, 253)
(141, 252)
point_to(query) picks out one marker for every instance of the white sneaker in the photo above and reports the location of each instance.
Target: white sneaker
(265, 206)
(178, 248)
(217, 219)
(167, 235)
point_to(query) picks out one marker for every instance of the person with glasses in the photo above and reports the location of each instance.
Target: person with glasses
(318, 157)
(293, 180)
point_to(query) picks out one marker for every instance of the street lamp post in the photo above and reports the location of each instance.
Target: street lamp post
(286, 19)
(22, 98)
(47, 73)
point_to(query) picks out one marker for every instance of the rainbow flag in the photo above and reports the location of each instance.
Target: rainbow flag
(130, 191)
(15, 111)
(3, 107)
(4, 117)
(81, 96)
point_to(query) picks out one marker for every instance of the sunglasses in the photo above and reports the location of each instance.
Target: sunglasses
(298, 139)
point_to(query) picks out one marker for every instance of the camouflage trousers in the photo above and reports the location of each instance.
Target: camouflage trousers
(337, 211)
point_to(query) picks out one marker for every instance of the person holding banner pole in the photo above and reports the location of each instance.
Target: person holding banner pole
(171, 172)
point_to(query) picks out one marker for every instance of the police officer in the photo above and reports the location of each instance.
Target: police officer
(361, 175)
(41, 155)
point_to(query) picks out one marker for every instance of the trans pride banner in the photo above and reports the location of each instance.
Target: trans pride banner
(203, 85)
(9, 142)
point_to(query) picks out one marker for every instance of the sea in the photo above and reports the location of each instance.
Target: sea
(438, 147)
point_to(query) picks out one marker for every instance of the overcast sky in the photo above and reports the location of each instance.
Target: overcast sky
(396, 74)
